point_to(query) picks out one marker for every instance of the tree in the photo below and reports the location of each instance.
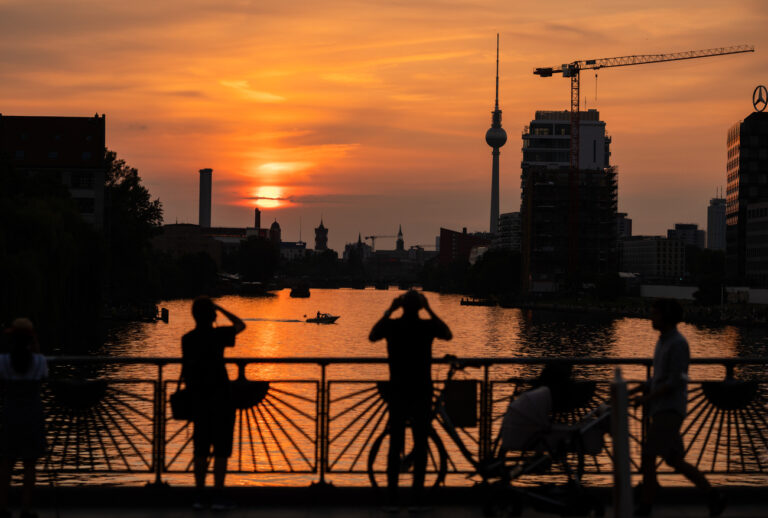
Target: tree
(132, 218)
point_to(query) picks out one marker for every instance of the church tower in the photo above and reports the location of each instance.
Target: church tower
(321, 238)
(400, 241)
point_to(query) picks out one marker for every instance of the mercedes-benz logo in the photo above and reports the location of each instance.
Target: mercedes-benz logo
(760, 98)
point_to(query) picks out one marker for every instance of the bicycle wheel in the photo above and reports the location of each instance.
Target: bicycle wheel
(437, 461)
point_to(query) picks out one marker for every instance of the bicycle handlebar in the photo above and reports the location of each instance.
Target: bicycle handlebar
(462, 364)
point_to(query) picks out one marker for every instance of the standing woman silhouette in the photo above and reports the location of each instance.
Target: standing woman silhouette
(22, 435)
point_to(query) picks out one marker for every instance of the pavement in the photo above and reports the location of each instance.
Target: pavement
(455, 511)
(175, 502)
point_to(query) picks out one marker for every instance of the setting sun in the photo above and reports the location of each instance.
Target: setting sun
(269, 197)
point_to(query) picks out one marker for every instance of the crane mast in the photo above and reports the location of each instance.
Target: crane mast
(572, 70)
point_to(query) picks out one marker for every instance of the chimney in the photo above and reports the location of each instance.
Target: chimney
(204, 213)
(257, 218)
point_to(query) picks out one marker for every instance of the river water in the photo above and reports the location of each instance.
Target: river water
(276, 328)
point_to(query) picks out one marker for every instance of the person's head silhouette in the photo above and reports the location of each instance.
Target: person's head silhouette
(411, 301)
(204, 311)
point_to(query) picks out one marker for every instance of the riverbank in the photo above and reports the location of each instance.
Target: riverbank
(635, 307)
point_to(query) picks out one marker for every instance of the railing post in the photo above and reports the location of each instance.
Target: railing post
(486, 418)
(323, 407)
(158, 439)
(622, 481)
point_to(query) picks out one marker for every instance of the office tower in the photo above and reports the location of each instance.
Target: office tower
(623, 225)
(256, 218)
(656, 258)
(688, 233)
(508, 235)
(495, 137)
(204, 214)
(716, 224)
(747, 187)
(551, 258)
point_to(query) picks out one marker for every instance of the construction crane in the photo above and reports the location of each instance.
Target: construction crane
(373, 240)
(572, 70)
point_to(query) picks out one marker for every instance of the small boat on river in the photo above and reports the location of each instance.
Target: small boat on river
(477, 302)
(323, 318)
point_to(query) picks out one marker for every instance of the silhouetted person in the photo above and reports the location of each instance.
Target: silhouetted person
(409, 349)
(665, 399)
(205, 375)
(557, 378)
(23, 421)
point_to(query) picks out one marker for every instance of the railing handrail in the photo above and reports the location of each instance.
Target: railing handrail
(320, 360)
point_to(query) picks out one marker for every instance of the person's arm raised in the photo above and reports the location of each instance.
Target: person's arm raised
(442, 330)
(238, 324)
(377, 333)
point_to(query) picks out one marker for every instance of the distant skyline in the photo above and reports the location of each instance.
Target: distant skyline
(374, 115)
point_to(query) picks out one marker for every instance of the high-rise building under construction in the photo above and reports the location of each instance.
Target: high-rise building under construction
(552, 206)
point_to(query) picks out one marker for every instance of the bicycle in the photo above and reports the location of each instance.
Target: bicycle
(437, 452)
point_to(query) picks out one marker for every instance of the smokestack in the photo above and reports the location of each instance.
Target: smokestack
(257, 218)
(205, 198)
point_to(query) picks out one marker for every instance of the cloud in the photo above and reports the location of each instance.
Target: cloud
(320, 199)
(244, 87)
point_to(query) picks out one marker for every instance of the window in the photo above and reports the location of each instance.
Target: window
(86, 155)
(81, 180)
(53, 154)
(19, 154)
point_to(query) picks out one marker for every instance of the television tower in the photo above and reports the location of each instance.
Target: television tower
(495, 137)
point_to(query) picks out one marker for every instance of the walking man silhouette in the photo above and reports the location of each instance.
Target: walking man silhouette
(409, 350)
(205, 375)
(666, 398)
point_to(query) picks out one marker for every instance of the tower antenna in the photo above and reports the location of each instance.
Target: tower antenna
(497, 71)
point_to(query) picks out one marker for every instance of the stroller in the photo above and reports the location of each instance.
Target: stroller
(531, 444)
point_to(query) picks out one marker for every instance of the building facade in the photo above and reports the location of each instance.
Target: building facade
(623, 225)
(457, 246)
(747, 185)
(71, 149)
(757, 245)
(508, 235)
(716, 224)
(568, 222)
(688, 233)
(655, 258)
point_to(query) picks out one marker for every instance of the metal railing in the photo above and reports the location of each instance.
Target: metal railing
(110, 416)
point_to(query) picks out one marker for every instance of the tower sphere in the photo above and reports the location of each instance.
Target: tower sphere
(496, 137)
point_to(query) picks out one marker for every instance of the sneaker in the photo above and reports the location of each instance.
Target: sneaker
(222, 504)
(390, 509)
(198, 504)
(717, 503)
(418, 509)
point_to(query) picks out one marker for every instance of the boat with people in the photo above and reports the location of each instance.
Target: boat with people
(472, 301)
(323, 318)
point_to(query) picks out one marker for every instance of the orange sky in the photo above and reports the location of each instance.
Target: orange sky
(373, 114)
